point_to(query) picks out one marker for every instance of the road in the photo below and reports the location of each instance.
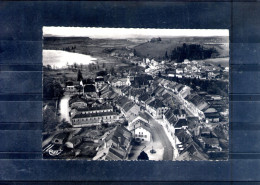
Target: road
(160, 136)
(64, 108)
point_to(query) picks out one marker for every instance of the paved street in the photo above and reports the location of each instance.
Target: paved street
(160, 136)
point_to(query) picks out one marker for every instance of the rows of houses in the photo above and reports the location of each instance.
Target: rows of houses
(116, 145)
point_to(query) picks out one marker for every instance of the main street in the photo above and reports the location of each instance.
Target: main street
(160, 136)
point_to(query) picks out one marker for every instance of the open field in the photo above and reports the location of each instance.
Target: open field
(224, 62)
(158, 49)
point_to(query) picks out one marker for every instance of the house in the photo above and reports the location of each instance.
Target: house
(60, 138)
(179, 71)
(197, 101)
(187, 148)
(193, 125)
(134, 94)
(116, 145)
(171, 73)
(180, 113)
(73, 142)
(89, 90)
(77, 102)
(141, 130)
(70, 86)
(166, 99)
(212, 117)
(99, 81)
(130, 108)
(210, 142)
(126, 106)
(184, 91)
(158, 91)
(169, 120)
(192, 152)
(173, 121)
(125, 90)
(144, 97)
(141, 81)
(156, 108)
(149, 100)
(119, 82)
(141, 117)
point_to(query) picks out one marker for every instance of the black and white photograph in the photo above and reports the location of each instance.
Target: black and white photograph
(135, 94)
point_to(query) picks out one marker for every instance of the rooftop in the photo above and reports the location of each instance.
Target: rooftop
(104, 107)
(94, 115)
(156, 104)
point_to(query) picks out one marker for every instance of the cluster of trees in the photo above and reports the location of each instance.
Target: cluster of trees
(190, 52)
(51, 89)
(156, 39)
(69, 49)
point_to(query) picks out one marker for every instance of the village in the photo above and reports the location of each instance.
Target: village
(151, 110)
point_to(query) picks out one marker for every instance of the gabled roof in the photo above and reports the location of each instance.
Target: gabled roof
(158, 90)
(69, 83)
(210, 141)
(104, 107)
(192, 152)
(122, 100)
(99, 79)
(179, 112)
(183, 136)
(180, 123)
(197, 100)
(136, 92)
(170, 116)
(212, 115)
(144, 97)
(77, 99)
(156, 104)
(89, 88)
(140, 124)
(94, 115)
(89, 81)
(119, 80)
(120, 136)
(128, 106)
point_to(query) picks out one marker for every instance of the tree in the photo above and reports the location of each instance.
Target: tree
(79, 76)
(89, 67)
(49, 67)
(75, 65)
(166, 56)
(143, 156)
(112, 71)
(51, 89)
(159, 74)
(134, 52)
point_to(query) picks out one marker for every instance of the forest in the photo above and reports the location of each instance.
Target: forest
(191, 52)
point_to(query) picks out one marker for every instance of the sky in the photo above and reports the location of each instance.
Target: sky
(124, 33)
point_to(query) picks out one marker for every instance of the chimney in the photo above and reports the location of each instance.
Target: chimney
(119, 142)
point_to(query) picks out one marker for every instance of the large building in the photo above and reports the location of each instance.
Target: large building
(91, 110)
(93, 119)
